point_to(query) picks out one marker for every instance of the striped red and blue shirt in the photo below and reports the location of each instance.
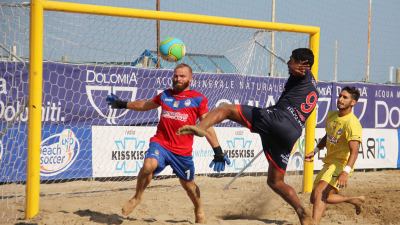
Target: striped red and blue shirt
(178, 109)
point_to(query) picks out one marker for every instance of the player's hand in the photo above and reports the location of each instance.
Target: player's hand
(218, 163)
(342, 180)
(300, 68)
(115, 102)
(309, 157)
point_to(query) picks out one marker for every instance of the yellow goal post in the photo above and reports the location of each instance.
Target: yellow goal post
(36, 73)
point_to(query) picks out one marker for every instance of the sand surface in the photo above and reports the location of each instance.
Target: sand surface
(249, 201)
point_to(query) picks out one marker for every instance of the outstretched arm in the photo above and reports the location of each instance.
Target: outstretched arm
(142, 105)
(138, 105)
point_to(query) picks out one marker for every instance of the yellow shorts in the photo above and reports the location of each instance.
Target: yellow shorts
(329, 174)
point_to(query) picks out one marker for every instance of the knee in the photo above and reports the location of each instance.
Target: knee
(317, 194)
(226, 107)
(272, 183)
(190, 187)
(312, 197)
(148, 168)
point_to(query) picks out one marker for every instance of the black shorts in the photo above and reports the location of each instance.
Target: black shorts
(278, 130)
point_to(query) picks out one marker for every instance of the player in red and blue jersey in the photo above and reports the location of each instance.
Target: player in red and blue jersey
(180, 106)
(279, 126)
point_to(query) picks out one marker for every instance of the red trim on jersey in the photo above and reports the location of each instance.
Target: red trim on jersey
(239, 109)
(274, 163)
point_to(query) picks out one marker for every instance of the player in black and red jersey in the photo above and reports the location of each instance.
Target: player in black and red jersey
(279, 126)
(180, 106)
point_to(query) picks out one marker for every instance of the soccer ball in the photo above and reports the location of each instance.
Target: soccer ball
(172, 49)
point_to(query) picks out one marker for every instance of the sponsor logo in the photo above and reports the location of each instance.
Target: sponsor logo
(239, 147)
(98, 84)
(295, 116)
(129, 154)
(332, 139)
(175, 115)
(176, 104)
(324, 105)
(15, 109)
(187, 102)
(373, 148)
(386, 115)
(58, 152)
(169, 100)
(285, 158)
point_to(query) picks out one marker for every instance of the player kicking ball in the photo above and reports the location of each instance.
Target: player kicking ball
(180, 106)
(279, 126)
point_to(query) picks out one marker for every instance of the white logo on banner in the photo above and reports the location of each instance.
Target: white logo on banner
(16, 108)
(322, 101)
(129, 155)
(111, 114)
(58, 152)
(362, 102)
(107, 82)
(387, 115)
(239, 151)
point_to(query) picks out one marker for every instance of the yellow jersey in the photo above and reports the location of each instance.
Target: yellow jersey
(339, 131)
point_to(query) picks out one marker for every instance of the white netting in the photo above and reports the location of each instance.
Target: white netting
(87, 57)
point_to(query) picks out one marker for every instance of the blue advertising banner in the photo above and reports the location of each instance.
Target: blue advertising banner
(65, 153)
(76, 94)
(74, 101)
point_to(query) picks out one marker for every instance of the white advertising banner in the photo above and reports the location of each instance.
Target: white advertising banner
(119, 150)
(240, 145)
(379, 149)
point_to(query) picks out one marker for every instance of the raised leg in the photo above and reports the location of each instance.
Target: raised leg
(217, 115)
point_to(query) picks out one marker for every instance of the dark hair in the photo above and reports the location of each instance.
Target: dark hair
(183, 65)
(302, 54)
(353, 91)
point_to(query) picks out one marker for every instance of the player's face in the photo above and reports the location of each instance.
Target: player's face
(181, 79)
(298, 68)
(345, 101)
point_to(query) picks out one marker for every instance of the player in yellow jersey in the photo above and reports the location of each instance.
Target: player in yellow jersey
(342, 141)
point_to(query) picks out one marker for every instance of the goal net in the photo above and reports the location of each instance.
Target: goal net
(87, 57)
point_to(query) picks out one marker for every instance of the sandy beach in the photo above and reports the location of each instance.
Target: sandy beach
(248, 201)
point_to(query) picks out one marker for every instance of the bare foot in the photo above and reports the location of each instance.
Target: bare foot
(357, 202)
(200, 216)
(130, 206)
(188, 129)
(305, 217)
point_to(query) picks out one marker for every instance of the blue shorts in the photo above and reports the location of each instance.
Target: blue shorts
(182, 166)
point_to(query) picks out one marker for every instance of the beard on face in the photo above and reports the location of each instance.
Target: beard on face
(342, 105)
(180, 87)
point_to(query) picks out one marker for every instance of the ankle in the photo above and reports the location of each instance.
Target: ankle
(136, 198)
(301, 211)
